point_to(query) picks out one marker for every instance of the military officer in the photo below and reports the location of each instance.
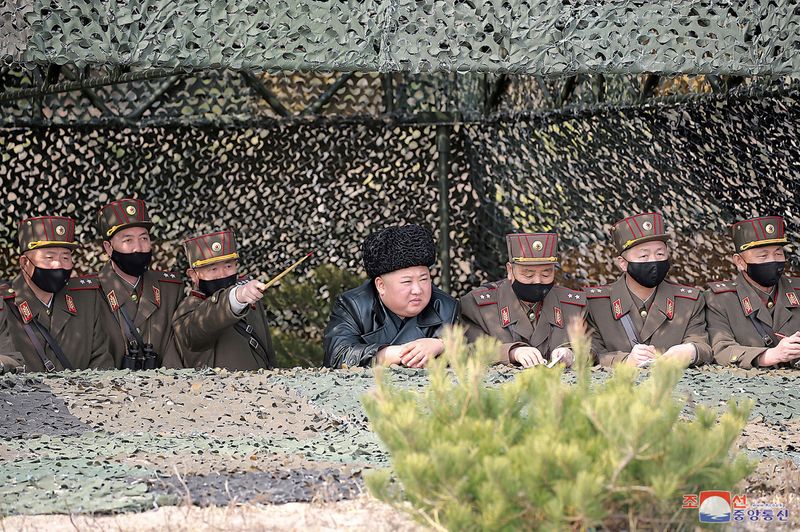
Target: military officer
(10, 359)
(222, 323)
(754, 319)
(55, 320)
(641, 315)
(526, 311)
(397, 316)
(140, 302)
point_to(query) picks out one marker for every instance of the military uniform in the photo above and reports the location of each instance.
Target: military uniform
(496, 310)
(10, 359)
(736, 310)
(673, 315)
(150, 305)
(72, 321)
(208, 332)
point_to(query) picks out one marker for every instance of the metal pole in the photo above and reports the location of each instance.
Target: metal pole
(443, 149)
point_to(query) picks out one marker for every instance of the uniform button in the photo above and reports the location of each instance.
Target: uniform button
(643, 313)
(770, 304)
(49, 312)
(734, 358)
(134, 297)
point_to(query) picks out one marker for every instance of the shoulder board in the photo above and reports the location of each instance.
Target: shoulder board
(8, 292)
(794, 281)
(686, 291)
(572, 297)
(485, 296)
(720, 287)
(168, 277)
(89, 282)
(199, 295)
(594, 292)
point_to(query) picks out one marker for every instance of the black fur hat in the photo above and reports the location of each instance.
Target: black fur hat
(398, 247)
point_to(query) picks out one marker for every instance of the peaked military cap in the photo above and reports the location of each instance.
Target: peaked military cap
(638, 229)
(207, 249)
(46, 232)
(122, 214)
(757, 232)
(532, 248)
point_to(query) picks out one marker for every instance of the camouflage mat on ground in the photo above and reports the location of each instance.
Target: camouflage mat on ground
(105, 442)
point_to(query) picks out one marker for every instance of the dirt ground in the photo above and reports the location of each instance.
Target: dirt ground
(363, 513)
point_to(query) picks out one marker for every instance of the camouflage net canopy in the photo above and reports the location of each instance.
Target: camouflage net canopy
(116, 441)
(548, 37)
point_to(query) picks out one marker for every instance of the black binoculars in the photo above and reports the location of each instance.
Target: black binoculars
(139, 359)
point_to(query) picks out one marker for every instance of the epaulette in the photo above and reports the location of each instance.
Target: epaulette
(572, 297)
(594, 292)
(7, 292)
(720, 287)
(794, 281)
(686, 291)
(197, 294)
(486, 295)
(87, 282)
(168, 277)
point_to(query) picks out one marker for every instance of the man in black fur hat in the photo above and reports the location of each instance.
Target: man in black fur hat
(397, 317)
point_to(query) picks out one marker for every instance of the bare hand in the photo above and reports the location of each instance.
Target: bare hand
(419, 352)
(641, 354)
(526, 356)
(250, 292)
(390, 355)
(686, 353)
(788, 349)
(567, 357)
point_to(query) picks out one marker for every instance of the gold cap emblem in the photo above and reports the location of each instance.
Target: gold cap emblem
(60, 231)
(216, 246)
(130, 209)
(770, 228)
(537, 245)
(647, 226)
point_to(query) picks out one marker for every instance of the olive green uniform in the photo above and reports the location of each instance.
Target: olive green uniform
(10, 358)
(72, 320)
(150, 306)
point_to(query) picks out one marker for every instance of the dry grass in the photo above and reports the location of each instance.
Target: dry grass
(364, 513)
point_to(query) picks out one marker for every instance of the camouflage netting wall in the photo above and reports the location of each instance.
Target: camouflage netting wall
(292, 187)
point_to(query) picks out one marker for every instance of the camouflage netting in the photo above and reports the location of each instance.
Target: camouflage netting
(545, 37)
(292, 186)
(98, 442)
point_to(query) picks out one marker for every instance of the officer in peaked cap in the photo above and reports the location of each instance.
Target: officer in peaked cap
(140, 302)
(55, 318)
(527, 312)
(642, 315)
(754, 319)
(222, 323)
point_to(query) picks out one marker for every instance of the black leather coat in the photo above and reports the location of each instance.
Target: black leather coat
(359, 325)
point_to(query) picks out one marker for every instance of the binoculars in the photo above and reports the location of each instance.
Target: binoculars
(139, 359)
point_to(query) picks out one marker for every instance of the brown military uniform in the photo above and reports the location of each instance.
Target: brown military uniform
(206, 328)
(735, 308)
(73, 319)
(495, 310)
(674, 314)
(10, 358)
(150, 305)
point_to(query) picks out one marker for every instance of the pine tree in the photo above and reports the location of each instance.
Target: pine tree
(540, 453)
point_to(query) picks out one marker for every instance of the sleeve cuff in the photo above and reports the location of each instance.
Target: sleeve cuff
(236, 307)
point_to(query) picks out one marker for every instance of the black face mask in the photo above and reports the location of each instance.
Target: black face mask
(134, 264)
(766, 273)
(52, 281)
(210, 287)
(649, 274)
(532, 293)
